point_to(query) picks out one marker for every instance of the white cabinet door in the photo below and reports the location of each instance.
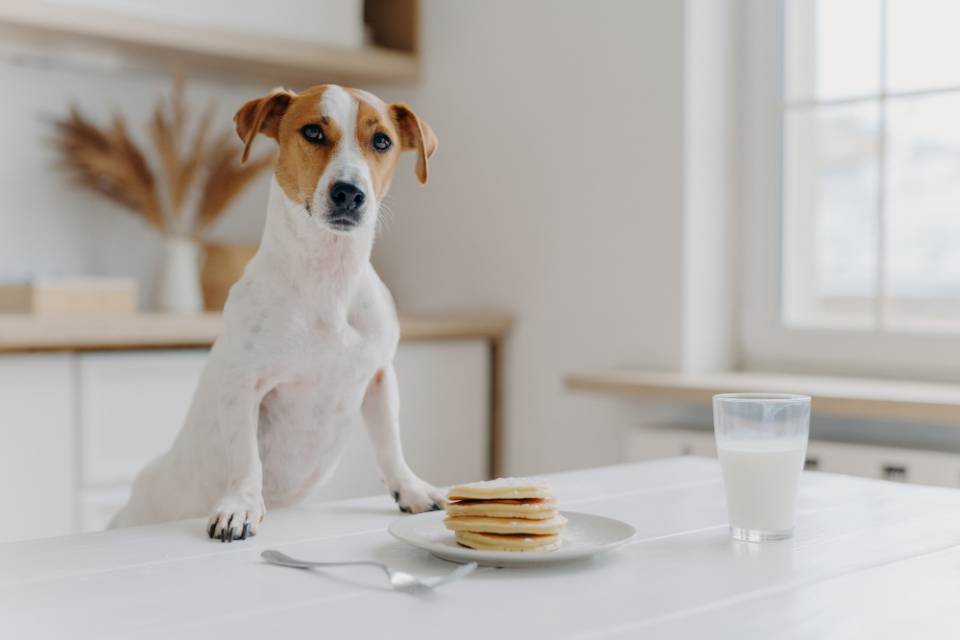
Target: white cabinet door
(132, 405)
(445, 409)
(77, 428)
(444, 417)
(37, 446)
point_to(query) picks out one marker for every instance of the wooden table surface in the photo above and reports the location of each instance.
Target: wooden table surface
(870, 560)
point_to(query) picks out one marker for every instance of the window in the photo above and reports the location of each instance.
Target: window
(851, 187)
(871, 164)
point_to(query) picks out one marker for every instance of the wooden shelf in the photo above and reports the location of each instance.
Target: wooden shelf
(490, 326)
(274, 60)
(847, 397)
(24, 333)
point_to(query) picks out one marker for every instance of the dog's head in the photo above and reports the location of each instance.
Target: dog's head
(338, 148)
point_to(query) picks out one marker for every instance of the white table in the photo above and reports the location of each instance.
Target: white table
(870, 560)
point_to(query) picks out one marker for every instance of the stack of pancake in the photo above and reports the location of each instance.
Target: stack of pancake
(506, 514)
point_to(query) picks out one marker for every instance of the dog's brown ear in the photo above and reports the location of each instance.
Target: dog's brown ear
(261, 116)
(415, 134)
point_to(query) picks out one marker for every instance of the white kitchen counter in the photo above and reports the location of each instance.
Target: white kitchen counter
(870, 559)
(22, 333)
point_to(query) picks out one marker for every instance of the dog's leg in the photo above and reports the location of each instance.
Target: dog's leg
(381, 408)
(241, 508)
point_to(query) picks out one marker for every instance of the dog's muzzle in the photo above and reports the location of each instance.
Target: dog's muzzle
(346, 205)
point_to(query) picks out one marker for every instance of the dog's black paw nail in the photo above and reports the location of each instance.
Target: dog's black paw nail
(243, 534)
(396, 496)
(405, 509)
(224, 533)
(212, 528)
(435, 507)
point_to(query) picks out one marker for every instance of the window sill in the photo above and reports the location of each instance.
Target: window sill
(868, 398)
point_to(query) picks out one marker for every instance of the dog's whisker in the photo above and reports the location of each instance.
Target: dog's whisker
(384, 216)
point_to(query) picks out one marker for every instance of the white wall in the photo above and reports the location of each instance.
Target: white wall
(710, 179)
(47, 228)
(556, 194)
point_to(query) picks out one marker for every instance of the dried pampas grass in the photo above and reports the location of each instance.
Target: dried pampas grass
(108, 161)
(226, 177)
(199, 178)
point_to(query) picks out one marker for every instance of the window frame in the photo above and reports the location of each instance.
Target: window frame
(764, 342)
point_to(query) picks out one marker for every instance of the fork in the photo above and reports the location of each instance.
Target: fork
(399, 580)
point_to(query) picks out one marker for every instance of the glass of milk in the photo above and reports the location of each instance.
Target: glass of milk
(761, 443)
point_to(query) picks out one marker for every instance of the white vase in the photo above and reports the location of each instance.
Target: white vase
(178, 290)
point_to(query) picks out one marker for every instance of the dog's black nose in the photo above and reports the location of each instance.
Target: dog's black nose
(346, 197)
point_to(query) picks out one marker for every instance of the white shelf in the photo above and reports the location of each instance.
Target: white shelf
(271, 59)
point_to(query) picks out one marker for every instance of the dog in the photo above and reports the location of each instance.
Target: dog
(310, 330)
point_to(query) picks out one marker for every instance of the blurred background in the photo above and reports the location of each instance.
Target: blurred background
(635, 205)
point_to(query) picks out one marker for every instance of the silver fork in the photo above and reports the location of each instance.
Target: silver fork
(399, 580)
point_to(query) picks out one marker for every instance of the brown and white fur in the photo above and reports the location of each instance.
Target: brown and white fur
(310, 330)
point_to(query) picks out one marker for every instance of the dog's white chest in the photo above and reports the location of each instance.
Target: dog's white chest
(305, 420)
(333, 371)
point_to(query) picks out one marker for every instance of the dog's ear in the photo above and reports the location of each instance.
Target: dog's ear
(261, 116)
(415, 134)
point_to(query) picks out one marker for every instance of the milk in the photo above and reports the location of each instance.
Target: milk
(760, 477)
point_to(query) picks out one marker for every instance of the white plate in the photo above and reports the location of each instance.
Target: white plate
(584, 535)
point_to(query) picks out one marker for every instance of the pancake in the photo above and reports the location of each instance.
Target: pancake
(508, 542)
(534, 508)
(501, 488)
(506, 525)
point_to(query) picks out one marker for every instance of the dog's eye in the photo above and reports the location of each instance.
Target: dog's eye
(382, 142)
(312, 132)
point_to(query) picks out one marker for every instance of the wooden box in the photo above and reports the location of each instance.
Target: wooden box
(59, 296)
(222, 266)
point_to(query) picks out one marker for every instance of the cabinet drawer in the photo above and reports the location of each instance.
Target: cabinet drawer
(836, 457)
(868, 461)
(656, 442)
(131, 406)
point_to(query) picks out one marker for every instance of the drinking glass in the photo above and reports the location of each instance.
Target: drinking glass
(762, 445)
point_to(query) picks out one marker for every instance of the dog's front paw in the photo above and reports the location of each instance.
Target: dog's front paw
(236, 518)
(413, 495)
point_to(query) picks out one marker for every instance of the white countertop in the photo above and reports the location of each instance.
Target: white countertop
(26, 332)
(870, 559)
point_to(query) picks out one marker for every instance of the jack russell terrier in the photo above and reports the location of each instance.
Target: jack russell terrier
(310, 331)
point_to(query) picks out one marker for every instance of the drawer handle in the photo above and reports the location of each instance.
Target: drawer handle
(812, 463)
(894, 472)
